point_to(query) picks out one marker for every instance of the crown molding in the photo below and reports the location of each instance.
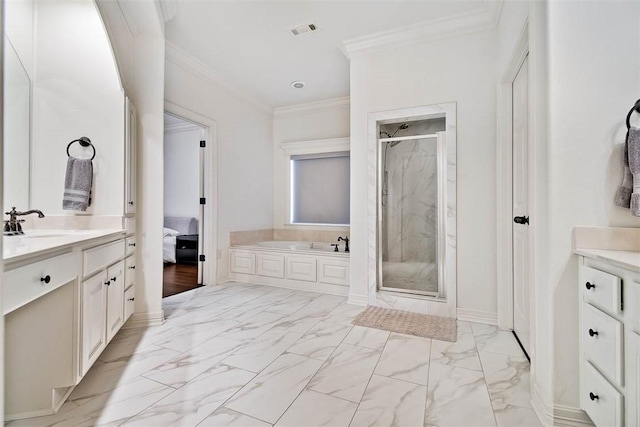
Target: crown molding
(312, 107)
(179, 57)
(465, 23)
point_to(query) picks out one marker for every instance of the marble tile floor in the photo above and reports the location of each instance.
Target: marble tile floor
(239, 354)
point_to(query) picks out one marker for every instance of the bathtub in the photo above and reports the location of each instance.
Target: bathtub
(309, 266)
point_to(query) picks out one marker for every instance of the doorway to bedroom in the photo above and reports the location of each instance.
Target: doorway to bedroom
(183, 205)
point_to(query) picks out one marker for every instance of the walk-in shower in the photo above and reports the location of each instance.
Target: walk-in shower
(411, 212)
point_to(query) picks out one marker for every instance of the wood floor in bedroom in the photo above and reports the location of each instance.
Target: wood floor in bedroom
(179, 278)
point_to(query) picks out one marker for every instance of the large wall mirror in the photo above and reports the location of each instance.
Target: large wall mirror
(17, 129)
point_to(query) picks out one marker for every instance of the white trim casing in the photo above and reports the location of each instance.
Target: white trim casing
(210, 246)
(311, 107)
(446, 303)
(504, 180)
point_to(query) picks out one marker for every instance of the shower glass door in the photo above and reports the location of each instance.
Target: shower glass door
(410, 214)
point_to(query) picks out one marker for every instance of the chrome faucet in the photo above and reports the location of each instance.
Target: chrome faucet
(12, 226)
(346, 242)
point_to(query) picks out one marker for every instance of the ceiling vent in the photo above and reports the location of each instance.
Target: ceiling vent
(300, 30)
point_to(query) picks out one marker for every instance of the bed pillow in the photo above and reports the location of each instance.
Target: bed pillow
(170, 232)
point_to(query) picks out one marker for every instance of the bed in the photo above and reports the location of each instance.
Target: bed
(176, 226)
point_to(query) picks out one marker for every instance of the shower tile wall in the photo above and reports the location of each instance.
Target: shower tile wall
(410, 209)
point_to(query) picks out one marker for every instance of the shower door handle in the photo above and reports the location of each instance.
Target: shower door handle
(521, 220)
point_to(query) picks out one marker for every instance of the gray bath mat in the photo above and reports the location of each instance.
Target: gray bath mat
(405, 322)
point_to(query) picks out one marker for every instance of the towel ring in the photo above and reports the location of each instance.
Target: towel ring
(636, 108)
(85, 142)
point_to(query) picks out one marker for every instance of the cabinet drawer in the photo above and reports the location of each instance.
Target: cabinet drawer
(334, 272)
(97, 258)
(130, 272)
(131, 245)
(25, 284)
(601, 289)
(270, 265)
(599, 399)
(602, 342)
(129, 302)
(242, 262)
(301, 268)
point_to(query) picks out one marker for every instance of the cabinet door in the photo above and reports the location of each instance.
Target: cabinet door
(632, 380)
(94, 295)
(131, 137)
(301, 268)
(115, 299)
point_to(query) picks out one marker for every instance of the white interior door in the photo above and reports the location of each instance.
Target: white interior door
(521, 285)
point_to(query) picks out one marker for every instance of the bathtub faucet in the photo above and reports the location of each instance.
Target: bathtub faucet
(346, 242)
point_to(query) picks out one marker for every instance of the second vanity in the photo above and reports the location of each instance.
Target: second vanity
(65, 295)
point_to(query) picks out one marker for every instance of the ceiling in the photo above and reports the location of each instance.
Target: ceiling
(247, 45)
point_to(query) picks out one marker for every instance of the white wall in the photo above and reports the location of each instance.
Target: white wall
(244, 157)
(460, 69)
(182, 172)
(323, 121)
(19, 29)
(76, 93)
(594, 69)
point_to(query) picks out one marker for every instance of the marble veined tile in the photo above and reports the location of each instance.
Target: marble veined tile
(457, 397)
(192, 403)
(462, 353)
(259, 353)
(391, 402)
(196, 335)
(197, 317)
(346, 374)
(302, 320)
(224, 417)
(291, 304)
(312, 409)
(268, 395)
(142, 337)
(405, 358)
(507, 378)
(491, 338)
(321, 340)
(515, 416)
(344, 314)
(106, 376)
(254, 327)
(112, 408)
(367, 337)
(186, 366)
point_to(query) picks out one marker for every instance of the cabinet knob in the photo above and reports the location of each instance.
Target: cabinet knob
(132, 245)
(592, 333)
(45, 279)
(131, 299)
(130, 202)
(590, 286)
(132, 267)
(593, 396)
(113, 279)
(108, 282)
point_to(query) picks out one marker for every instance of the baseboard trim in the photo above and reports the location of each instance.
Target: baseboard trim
(299, 285)
(477, 316)
(356, 299)
(140, 320)
(222, 279)
(558, 415)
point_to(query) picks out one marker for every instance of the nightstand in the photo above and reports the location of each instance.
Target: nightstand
(187, 249)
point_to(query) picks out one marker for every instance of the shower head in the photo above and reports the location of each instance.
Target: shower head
(394, 143)
(403, 126)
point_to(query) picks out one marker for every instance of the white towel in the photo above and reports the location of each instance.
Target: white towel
(77, 184)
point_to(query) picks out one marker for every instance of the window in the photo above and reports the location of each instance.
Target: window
(320, 189)
(318, 182)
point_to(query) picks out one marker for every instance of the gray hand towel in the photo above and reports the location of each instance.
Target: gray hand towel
(623, 196)
(77, 184)
(633, 150)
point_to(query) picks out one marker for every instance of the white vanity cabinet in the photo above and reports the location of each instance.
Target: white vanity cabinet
(609, 342)
(102, 296)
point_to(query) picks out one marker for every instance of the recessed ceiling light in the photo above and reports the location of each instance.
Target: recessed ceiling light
(297, 84)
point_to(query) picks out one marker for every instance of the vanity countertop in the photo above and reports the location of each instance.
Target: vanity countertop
(625, 259)
(38, 242)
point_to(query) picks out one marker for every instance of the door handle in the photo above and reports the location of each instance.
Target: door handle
(521, 219)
